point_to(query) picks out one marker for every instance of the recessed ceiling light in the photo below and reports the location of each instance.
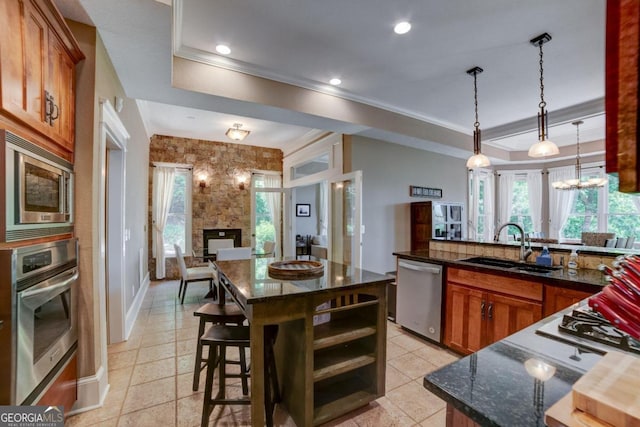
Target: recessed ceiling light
(223, 49)
(335, 81)
(402, 27)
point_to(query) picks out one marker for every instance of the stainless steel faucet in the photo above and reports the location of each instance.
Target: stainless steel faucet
(524, 254)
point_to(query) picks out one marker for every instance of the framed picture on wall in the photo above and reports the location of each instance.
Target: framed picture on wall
(303, 209)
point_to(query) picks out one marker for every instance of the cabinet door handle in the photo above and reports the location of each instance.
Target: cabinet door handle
(48, 101)
(55, 112)
(482, 309)
(51, 110)
(490, 311)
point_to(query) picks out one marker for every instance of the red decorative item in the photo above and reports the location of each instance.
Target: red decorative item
(619, 302)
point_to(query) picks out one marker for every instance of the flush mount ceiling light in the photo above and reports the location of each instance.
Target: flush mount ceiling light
(543, 147)
(236, 133)
(578, 183)
(223, 49)
(402, 27)
(478, 160)
(335, 81)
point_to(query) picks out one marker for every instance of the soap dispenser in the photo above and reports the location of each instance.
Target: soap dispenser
(544, 258)
(573, 262)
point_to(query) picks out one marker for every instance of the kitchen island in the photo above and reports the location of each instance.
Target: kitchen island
(511, 382)
(331, 345)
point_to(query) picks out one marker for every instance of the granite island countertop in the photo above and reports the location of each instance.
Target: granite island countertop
(493, 386)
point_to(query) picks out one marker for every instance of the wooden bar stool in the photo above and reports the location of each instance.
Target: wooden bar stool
(218, 338)
(214, 314)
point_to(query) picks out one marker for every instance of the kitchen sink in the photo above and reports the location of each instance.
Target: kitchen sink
(493, 262)
(512, 265)
(537, 268)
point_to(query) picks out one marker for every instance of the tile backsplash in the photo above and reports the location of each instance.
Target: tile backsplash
(559, 256)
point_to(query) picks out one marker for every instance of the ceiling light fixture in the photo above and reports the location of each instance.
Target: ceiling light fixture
(236, 133)
(335, 81)
(402, 27)
(223, 49)
(543, 147)
(478, 160)
(577, 183)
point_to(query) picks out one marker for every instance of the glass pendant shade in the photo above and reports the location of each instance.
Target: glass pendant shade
(478, 161)
(543, 149)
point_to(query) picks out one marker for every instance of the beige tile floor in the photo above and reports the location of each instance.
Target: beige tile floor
(150, 375)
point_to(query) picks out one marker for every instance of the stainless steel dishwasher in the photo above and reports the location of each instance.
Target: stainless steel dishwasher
(419, 299)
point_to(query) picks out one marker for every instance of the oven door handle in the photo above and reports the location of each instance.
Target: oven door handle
(33, 298)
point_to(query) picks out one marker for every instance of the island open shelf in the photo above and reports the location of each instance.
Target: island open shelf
(331, 345)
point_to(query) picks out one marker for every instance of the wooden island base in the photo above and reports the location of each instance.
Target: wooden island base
(331, 345)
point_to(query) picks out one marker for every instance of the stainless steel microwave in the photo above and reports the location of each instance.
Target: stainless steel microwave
(39, 190)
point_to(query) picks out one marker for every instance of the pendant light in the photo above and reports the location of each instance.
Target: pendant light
(478, 160)
(577, 183)
(543, 147)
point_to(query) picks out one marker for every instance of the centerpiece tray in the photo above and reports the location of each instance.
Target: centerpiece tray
(295, 269)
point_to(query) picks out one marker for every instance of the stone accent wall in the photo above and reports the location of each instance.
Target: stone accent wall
(221, 204)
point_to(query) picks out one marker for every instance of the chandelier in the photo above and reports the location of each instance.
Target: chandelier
(478, 160)
(578, 183)
(543, 147)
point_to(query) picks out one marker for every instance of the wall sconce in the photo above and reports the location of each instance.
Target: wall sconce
(242, 180)
(202, 178)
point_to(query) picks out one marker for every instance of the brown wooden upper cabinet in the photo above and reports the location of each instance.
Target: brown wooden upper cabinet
(622, 96)
(37, 67)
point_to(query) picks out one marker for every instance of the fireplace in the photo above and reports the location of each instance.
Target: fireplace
(220, 233)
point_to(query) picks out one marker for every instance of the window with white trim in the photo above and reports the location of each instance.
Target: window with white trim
(520, 212)
(480, 214)
(602, 209)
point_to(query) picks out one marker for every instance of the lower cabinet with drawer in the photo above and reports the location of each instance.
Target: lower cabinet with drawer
(483, 308)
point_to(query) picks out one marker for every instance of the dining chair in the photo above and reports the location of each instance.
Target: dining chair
(268, 248)
(228, 254)
(192, 274)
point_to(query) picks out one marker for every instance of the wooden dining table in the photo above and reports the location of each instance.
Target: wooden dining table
(332, 333)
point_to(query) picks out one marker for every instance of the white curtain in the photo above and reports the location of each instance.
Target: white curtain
(274, 205)
(472, 215)
(489, 205)
(322, 208)
(505, 197)
(560, 201)
(534, 188)
(163, 191)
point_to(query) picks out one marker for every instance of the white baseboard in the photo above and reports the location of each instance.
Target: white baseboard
(91, 392)
(132, 314)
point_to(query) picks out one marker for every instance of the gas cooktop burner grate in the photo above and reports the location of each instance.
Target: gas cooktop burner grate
(593, 326)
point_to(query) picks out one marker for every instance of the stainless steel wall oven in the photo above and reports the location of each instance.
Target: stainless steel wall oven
(43, 320)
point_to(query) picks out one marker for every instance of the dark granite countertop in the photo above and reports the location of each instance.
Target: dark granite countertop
(580, 278)
(252, 281)
(493, 386)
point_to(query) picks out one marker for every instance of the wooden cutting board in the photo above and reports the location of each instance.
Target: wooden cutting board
(562, 414)
(610, 391)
